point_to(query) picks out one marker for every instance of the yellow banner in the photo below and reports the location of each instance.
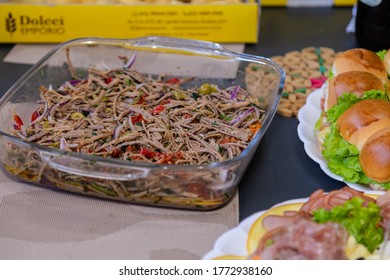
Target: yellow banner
(287, 2)
(228, 23)
(344, 2)
(273, 2)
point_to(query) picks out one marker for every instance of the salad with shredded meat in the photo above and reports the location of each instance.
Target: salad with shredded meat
(122, 114)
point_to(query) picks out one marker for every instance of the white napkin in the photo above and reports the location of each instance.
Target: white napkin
(351, 25)
(310, 3)
(31, 53)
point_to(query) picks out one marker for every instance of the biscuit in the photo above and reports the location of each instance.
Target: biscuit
(306, 70)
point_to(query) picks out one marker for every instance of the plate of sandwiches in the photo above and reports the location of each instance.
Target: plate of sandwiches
(341, 224)
(345, 125)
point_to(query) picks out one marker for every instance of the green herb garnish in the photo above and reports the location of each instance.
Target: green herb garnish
(360, 221)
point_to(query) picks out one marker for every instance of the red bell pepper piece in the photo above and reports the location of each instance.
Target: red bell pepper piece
(172, 81)
(116, 153)
(34, 116)
(147, 153)
(18, 122)
(158, 109)
(137, 118)
(108, 80)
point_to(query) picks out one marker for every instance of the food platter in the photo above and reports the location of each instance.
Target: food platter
(233, 243)
(239, 242)
(308, 116)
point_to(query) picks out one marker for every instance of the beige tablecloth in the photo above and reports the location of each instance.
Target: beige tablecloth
(38, 223)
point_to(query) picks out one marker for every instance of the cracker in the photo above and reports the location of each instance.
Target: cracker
(306, 70)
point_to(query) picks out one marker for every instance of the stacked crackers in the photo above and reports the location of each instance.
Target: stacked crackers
(306, 71)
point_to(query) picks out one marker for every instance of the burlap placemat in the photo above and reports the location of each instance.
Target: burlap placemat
(38, 223)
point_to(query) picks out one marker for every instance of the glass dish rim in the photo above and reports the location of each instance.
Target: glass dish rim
(192, 46)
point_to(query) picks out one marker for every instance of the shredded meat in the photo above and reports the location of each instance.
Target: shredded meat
(122, 114)
(306, 240)
(320, 199)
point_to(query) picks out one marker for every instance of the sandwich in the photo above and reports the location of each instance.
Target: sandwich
(359, 59)
(357, 146)
(349, 74)
(351, 82)
(356, 142)
(356, 82)
(351, 130)
(354, 71)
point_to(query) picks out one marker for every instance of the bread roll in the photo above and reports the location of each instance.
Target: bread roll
(375, 156)
(359, 59)
(356, 82)
(362, 120)
(366, 124)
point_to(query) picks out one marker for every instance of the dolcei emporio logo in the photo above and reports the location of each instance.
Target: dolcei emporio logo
(10, 24)
(34, 25)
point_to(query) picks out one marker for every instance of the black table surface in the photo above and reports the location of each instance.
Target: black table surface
(280, 169)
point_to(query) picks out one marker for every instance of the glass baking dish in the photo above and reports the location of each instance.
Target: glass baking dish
(203, 186)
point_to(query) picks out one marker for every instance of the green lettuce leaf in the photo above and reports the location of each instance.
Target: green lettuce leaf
(342, 157)
(348, 99)
(381, 54)
(361, 222)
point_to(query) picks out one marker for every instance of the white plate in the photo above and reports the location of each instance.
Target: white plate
(234, 241)
(308, 116)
